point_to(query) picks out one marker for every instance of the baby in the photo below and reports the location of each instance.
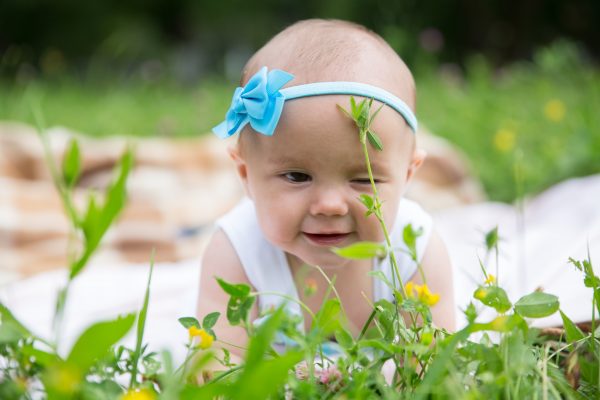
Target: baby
(300, 160)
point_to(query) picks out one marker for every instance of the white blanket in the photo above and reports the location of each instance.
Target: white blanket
(560, 223)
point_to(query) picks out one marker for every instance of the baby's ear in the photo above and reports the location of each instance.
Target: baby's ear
(240, 165)
(418, 157)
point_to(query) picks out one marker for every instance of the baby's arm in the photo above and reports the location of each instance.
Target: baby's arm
(438, 272)
(221, 260)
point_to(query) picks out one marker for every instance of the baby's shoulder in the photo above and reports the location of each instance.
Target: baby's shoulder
(220, 259)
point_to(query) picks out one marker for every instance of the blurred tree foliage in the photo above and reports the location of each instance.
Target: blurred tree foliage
(189, 38)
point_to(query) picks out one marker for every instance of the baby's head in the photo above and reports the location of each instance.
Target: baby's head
(305, 179)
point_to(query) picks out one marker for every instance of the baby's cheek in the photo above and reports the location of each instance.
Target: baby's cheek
(276, 230)
(371, 230)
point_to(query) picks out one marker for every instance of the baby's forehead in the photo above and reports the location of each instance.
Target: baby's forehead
(316, 127)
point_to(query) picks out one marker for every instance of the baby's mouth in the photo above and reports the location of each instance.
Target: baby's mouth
(326, 239)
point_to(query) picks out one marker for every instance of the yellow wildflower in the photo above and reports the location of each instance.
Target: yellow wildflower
(555, 110)
(65, 378)
(504, 139)
(422, 293)
(490, 280)
(426, 296)
(194, 331)
(138, 394)
(480, 293)
(499, 323)
(206, 339)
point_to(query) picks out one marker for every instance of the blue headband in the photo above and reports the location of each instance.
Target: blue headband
(260, 102)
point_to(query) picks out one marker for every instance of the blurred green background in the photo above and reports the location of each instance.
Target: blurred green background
(515, 84)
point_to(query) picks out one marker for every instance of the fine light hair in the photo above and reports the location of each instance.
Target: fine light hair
(319, 50)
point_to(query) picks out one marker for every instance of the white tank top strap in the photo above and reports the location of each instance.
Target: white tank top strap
(409, 212)
(265, 265)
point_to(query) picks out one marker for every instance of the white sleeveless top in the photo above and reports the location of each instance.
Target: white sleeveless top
(267, 268)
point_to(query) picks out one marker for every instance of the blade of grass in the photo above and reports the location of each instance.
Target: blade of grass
(141, 325)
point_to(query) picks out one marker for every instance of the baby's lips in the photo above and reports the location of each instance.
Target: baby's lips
(328, 239)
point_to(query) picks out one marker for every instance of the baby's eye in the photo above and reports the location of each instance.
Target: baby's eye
(297, 177)
(364, 181)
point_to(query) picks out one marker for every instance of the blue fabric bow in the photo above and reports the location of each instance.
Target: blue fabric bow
(259, 103)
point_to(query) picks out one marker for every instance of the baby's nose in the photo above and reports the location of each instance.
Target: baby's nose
(329, 202)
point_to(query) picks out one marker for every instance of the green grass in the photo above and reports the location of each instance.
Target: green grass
(545, 112)
(496, 117)
(119, 108)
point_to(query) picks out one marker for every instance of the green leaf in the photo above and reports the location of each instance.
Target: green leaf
(367, 201)
(409, 236)
(344, 338)
(71, 163)
(9, 333)
(210, 320)
(353, 109)
(211, 333)
(576, 264)
(440, 365)
(493, 296)
(537, 305)
(377, 344)
(382, 277)
(374, 140)
(265, 379)
(91, 220)
(361, 250)
(41, 357)
(140, 326)
(97, 221)
(95, 342)
(327, 319)
(105, 390)
(342, 109)
(491, 239)
(572, 331)
(6, 316)
(386, 316)
(238, 308)
(502, 323)
(471, 313)
(591, 281)
(260, 342)
(188, 322)
(237, 290)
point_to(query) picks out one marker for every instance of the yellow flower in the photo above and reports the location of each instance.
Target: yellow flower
(422, 293)
(194, 331)
(64, 378)
(206, 339)
(555, 110)
(138, 394)
(426, 296)
(491, 280)
(499, 323)
(480, 293)
(504, 139)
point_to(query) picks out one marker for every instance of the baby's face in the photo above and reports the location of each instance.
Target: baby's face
(306, 179)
